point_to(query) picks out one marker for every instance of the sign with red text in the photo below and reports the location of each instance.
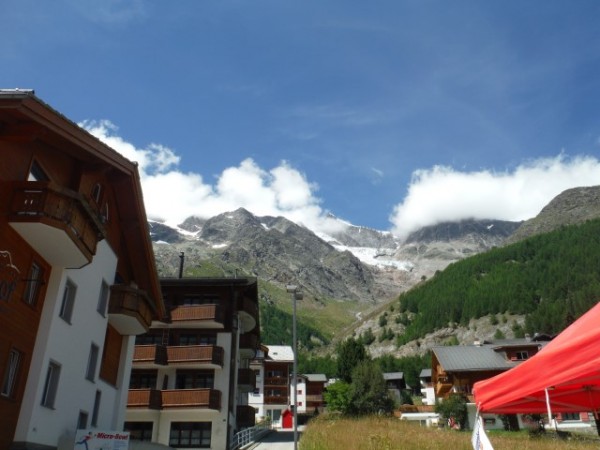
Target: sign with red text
(101, 440)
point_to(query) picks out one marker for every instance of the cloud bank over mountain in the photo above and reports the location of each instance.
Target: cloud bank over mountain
(434, 195)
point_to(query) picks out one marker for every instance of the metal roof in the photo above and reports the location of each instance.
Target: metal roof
(316, 377)
(280, 353)
(393, 376)
(465, 358)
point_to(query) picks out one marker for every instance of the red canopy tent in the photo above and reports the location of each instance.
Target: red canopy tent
(564, 375)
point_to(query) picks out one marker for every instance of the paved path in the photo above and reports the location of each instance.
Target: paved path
(278, 440)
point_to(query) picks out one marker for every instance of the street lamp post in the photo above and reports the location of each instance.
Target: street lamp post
(296, 295)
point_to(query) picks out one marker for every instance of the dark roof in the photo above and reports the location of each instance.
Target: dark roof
(393, 376)
(465, 358)
(425, 373)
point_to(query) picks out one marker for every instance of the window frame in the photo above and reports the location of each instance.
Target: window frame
(186, 432)
(11, 373)
(103, 298)
(96, 409)
(68, 301)
(33, 284)
(51, 384)
(92, 365)
(142, 427)
(82, 420)
(36, 172)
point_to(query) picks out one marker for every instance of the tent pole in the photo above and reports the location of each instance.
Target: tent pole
(549, 410)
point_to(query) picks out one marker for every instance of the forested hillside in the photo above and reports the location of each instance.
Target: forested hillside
(551, 278)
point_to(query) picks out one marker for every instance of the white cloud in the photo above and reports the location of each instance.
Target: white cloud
(443, 194)
(171, 195)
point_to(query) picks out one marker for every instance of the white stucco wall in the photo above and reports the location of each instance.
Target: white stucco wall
(68, 344)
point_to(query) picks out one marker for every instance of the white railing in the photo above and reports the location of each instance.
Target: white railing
(250, 435)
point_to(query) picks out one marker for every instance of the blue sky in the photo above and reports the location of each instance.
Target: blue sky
(390, 114)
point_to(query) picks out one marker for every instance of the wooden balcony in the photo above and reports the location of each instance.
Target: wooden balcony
(129, 310)
(245, 416)
(198, 316)
(276, 381)
(248, 310)
(276, 400)
(144, 398)
(249, 343)
(246, 380)
(149, 355)
(57, 222)
(192, 398)
(197, 356)
(442, 389)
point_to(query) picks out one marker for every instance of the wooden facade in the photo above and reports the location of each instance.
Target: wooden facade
(62, 192)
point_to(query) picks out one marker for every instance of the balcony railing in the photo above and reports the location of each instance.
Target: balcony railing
(129, 310)
(192, 398)
(246, 416)
(144, 398)
(205, 316)
(276, 399)
(246, 380)
(441, 389)
(276, 381)
(210, 355)
(149, 354)
(57, 222)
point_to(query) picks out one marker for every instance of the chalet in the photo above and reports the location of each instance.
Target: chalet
(77, 277)
(456, 368)
(191, 375)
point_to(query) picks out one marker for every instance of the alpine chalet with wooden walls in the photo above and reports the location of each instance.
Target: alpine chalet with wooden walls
(191, 377)
(77, 277)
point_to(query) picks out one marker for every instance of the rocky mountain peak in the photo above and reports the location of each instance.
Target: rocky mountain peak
(570, 207)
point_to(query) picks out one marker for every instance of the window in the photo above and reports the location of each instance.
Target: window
(139, 431)
(149, 339)
(36, 173)
(51, 385)
(34, 282)
(103, 298)
(90, 373)
(190, 434)
(200, 300)
(142, 380)
(82, 420)
(97, 192)
(202, 379)
(570, 416)
(197, 339)
(11, 372)
(522, 355)
(96, 410)
(68, 300)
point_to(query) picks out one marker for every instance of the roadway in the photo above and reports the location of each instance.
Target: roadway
(278, 440)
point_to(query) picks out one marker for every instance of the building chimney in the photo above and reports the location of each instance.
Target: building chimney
(181, 258)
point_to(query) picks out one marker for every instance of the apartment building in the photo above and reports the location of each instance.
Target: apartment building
(77, 277)
(191, 377)
(273, 367)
